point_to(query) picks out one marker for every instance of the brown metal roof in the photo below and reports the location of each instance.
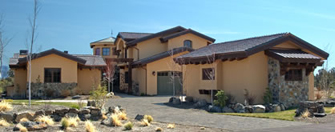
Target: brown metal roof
(87, 60)
(161, 55)
(166, 38)
(129, 36)
(245, 47)
(292, 56)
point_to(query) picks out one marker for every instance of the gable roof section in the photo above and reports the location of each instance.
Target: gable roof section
(129, 36)
(166, 38)
(87, 60)
(161, 56)
(294, 55)
(246, 47)
(105, 40)
(165, 32)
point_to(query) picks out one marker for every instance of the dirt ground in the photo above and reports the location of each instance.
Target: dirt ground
(136, 128)
(327, 119)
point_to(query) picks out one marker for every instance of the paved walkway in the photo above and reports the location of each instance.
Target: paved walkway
(154, 106)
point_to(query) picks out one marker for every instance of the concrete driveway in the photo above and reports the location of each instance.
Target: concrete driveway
(155, 106)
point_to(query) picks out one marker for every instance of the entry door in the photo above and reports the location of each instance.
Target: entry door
(165, 83)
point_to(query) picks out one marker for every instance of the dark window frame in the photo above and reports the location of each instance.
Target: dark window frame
(206, 72)
(103, 51)
(186, 44)
(293, 75)
(99, 49)
(52, 75)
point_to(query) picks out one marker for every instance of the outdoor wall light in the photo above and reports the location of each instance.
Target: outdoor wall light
(153, 73)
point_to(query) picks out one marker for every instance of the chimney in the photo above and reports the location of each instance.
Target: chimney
(65, 51)
(23, 53)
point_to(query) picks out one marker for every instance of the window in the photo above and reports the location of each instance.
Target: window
(208, 74)
(126, 77)
(97, 51)
(105, 51)
(52, 75)
(188, 43)
(293, 75)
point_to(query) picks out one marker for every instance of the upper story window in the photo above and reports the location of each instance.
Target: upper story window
(52, 75)
(208, 74)
(97, 51)
(105, 51)
(188, 43)
(293, 75)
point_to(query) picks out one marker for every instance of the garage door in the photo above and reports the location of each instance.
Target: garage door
(165, 83)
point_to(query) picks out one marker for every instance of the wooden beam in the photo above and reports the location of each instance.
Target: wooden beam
(231, 59)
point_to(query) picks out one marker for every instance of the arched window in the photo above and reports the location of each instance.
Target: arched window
(188, 43)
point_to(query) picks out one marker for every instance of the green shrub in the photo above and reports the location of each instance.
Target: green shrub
(230, 99)
(267, 98)
(75, 106)
(99, 96)
(221, 98)
(128, 126)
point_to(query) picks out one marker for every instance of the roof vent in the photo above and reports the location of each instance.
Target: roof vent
(66, 52)
(23, 52)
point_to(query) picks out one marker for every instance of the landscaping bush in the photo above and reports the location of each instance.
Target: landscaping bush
(230, 99)
(45, 119)
(65, 93)
(267, 98)
(128, 126)
(149, 118)
(221, 98)
(5, 106)
(123, 115)
(171, 126)
(22, 128)
(98, 95)
(306, 114)
(65, 123)
(115, 121)
(89, 126)
(145, 122)
(4, 123)
(332, 111)
(250, 99)
(24, 120)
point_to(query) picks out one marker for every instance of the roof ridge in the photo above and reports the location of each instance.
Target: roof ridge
(284, 33)
(136, 32)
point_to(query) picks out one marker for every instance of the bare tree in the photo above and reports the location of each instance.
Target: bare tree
(3, 43)
(110, 72)
(33, 28)
(210, 72)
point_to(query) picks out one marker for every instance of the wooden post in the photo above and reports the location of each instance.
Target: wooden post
(130, 81)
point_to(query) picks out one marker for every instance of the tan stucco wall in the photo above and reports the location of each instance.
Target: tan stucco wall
(100, 46)
(87, 78)
(139, 75)
(197, 42)
(232, 77)
(68, 68)
(20, 81)
(151, 47)
(287, 45)
(165, 64)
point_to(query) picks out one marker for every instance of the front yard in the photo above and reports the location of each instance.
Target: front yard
(35, 102)
(282, 115)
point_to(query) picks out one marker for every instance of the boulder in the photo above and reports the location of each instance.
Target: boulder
(227, 110)
(48, 112)
(26, 114)
(7, 116)
(76, 97)
(139, 117)
(171, 99)
(84, 117)
(282, 107)
(239, 108)
(213, 108)
(73, 110)
(31, 126)
(56, 118)
(249, 109)
(258, 108)
(61, 111)
(71, 114)
(189, 99)
(320, 114)
(38, 113)
(84, 111)
(110, 95)
(176, 101)
(276, 108)
(200, 103)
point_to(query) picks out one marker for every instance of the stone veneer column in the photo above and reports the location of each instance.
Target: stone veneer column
(290, 93)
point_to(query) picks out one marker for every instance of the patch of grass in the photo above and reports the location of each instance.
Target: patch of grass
(34, 102)
(4, 123)
(123, 115)
(24, 120)
(332, 111)
(89, 126)
(128, 126)
(171, 126)
(281, 115)
(22, 128)
(305, 114)
(45, 119)
(73, 121)
(65, 123)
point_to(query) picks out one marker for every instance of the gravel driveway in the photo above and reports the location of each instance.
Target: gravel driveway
(155, 106)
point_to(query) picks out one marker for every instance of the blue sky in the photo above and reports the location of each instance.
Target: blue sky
(72, 24)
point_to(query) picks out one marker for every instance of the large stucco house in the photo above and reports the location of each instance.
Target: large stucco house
(180, 61)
